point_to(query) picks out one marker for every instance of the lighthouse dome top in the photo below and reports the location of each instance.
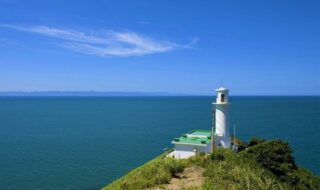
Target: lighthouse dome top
(222, 89)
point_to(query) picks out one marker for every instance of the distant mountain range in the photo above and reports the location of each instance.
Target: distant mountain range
(88, 93)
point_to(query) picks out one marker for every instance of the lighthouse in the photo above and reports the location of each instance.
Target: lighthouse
(221, 119)
(199, 140)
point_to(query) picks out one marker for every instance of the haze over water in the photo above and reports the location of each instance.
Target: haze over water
(86, 142)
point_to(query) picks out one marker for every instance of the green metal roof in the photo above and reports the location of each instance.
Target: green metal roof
(206, 133)
(194, 137)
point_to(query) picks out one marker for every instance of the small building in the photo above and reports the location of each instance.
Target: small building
(197, 141)
(191, 143)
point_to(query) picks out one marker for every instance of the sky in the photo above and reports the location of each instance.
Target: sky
(251, 47)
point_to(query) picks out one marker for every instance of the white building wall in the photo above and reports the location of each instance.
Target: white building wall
(183, 147)
(183, 151)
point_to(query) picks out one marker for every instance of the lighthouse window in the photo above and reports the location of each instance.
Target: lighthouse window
(222, 97)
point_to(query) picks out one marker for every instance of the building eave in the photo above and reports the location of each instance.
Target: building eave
(174, 142)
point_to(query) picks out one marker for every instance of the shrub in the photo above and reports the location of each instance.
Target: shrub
(275, 155)
(237, 172)
(218, 156)
(202, 154)
(255, 141)
(303, 179)
(174, 167)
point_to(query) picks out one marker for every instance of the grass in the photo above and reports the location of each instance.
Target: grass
(235, 171)
(156, 172)
(223, 169)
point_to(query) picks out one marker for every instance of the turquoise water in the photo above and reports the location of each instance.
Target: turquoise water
(86, 142)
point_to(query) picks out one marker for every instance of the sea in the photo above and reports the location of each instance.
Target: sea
(84, 143)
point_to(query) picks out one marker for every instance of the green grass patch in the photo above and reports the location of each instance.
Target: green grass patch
(156, 172)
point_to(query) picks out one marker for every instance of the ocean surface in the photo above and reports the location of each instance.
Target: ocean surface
(83, 143)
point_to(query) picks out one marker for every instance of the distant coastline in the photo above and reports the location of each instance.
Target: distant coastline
(88, 93)
(118, 93)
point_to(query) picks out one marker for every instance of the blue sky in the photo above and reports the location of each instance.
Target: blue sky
(251, 47)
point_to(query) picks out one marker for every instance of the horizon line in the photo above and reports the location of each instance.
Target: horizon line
(92, 93)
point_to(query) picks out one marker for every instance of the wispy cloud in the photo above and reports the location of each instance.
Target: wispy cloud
(6, 42)
(108, 43)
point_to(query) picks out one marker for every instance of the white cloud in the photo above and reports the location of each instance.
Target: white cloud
(108, 43)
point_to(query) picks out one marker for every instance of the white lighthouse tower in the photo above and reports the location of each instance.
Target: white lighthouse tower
(221, 114)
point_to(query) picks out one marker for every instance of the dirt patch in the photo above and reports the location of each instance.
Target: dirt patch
(190, 178)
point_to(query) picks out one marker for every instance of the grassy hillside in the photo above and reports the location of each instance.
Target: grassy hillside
(261, 165)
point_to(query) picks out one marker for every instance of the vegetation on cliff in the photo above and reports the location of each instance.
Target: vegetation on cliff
(260, 165)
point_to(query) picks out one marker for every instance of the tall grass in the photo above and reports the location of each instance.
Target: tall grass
(235, 171)
(223, 169)
(156, 172)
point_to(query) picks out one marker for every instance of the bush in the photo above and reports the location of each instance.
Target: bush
(218, 156)
(202, 154)
(237, 172)
(255, 141)
(275, 155)
(174, 167)
(303, 179)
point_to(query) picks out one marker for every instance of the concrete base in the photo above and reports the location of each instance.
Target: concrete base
(181, 154)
